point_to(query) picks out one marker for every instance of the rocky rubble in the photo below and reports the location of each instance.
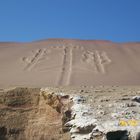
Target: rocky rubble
(85, 124)
(82, 113)
(109, 118)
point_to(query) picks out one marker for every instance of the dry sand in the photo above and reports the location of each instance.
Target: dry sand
(60, 62)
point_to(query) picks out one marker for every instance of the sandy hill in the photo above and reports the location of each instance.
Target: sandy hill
(70, 113)
(61, 62)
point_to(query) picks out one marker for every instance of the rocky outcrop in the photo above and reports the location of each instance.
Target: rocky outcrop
(30, 114)
(75, 113)
(107, 118)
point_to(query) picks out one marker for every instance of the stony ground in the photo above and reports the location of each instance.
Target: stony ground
(64, 113)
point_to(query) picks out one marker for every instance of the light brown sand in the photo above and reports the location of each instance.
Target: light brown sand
(59, 62)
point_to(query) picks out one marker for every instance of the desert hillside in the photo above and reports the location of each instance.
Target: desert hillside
(78, 113)
(60, 62)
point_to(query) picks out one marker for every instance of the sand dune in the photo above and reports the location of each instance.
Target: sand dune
(60, 62)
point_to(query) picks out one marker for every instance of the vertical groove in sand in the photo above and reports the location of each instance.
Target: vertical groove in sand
(66, 70)
(101, 60)
(38, 55)
(70, 68)
(99, 64)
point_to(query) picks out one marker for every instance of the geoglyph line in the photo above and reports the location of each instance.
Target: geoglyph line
(66, 66)
(97, 60)
(34, 59)
(99, 63)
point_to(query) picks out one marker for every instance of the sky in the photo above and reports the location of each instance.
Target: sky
(30, 20)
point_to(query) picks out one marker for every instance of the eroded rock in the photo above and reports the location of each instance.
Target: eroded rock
(47, 114)
(26, 114)
(136, 99)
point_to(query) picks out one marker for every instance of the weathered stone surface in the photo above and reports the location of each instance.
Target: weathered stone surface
(25, 114)
(78, 113)
(136, 98)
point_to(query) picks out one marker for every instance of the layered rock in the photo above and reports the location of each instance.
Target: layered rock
(25, 114)
(82, 113)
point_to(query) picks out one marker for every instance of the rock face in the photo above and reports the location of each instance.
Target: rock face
(80, 113)
(26, 114)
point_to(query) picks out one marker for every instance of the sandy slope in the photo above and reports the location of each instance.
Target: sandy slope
(69, 62)
(76, 113)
